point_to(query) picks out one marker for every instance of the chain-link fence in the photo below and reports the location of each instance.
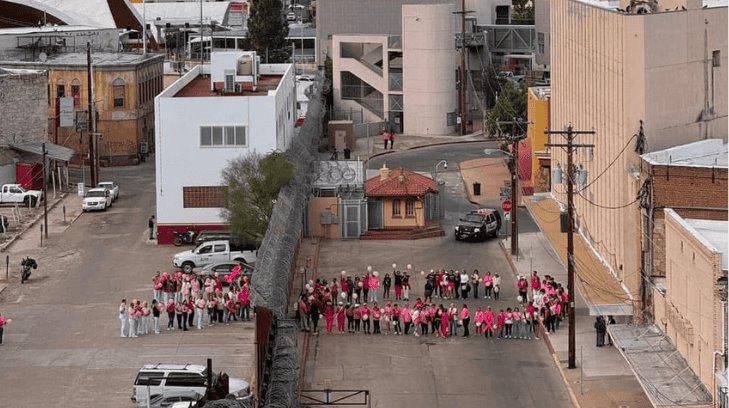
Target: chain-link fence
(276, 259)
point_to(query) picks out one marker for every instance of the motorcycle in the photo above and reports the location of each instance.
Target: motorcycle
(26, 265)
(187, 237)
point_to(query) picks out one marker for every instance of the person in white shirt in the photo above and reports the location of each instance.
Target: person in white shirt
(123, 319)
(464, 287)
(497, 286)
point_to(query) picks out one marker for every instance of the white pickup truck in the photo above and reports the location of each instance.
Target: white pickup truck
(211, 252)
(15, 193)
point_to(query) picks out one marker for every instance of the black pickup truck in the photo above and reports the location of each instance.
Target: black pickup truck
(479, 224)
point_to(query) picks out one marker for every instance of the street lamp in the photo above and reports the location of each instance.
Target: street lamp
(445, 167)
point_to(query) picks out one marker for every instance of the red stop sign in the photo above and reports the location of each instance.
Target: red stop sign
(506, 205)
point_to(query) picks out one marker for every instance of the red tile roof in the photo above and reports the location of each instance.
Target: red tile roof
(412, 184)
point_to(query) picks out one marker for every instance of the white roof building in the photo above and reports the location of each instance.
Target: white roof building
(209, 116)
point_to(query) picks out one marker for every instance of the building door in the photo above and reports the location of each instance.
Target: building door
(340, 140)
(374, 215)
(351, 228)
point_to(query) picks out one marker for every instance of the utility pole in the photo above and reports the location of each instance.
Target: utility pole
(463, 89)
(569, 136)
(515, 139)
(45, 191)
(92, 116)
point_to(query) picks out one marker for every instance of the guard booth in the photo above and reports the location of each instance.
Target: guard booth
(337, 208)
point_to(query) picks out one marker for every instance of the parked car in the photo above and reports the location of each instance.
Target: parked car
(224, 269)
(172, 399)
(178, 380)
(212, 252)
(97, 199)
(478, 224)
(112, 187)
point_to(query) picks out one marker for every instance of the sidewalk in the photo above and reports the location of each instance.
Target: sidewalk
(62, 212)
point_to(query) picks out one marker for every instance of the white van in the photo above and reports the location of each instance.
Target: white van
(159, 380)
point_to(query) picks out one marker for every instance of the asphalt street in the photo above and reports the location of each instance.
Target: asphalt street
(401, 371)
(63, 348)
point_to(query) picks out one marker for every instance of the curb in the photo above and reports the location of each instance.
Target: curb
(545, 335)
(422, 147)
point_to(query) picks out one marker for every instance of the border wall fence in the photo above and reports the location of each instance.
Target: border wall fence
(277, 354)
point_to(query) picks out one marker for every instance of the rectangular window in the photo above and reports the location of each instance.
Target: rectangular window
(60, 91)
(409, 207)
(76, 93)
(203, 197)
(540, 43)
(223, 136)
(118, 96)
(396, 208)
(716, 58)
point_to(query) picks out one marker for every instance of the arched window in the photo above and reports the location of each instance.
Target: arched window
(409, 207)
(396, 208)
(118, 92)
(76, 93)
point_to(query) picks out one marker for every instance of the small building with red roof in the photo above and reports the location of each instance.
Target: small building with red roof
(403, 200)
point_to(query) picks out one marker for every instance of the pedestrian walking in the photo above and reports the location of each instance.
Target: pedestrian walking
(600, 330)
(150, 224)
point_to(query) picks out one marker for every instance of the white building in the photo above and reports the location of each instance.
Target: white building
(235, 105)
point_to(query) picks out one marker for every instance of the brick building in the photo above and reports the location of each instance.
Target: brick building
(24, 107)
(690, 179)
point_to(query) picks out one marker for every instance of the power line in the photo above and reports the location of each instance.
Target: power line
(609, 165)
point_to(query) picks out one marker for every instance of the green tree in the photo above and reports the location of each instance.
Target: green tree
(267, 31)
(523, 12)
(511, 103)
(253, 182)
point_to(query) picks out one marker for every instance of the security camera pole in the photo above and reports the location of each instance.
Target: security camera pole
(569, 135)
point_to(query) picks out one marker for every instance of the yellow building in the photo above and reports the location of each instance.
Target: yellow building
(538, 116)
(124, 87)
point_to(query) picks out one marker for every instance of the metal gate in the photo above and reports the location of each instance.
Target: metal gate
(352, 219)
(374, 215)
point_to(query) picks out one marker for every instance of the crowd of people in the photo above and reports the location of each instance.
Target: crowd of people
(351, 304)
(190, 300)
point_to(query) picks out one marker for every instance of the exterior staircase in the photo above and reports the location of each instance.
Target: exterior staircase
(431, 231)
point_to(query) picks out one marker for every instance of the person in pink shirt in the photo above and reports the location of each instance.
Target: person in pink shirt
(388, 317)
(444, 317)
(329, 316)
(376, 316)
(522, 287)
(531, 321)
(374, 287)
(488, 285)
(244, 298)
(407, 318)
(133, 318)
(357, 316)
(171, 314)
(341, 316)
(465, 319)
(501, 323)
(157, 286)
(518, 328)
(365, 311)
(396, 320)
(4, 322)
(365, 281)
(536, 283)
(478, 321)
(489, 321)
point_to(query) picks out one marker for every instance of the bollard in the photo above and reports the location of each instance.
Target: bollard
(64, 213)
(7, 267)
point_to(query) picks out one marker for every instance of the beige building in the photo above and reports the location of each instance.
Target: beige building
(644, 80)
(691, 306)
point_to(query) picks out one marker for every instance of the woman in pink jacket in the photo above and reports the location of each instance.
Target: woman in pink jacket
(374, 287)
(244, 298)
(376, 316)
(407, 318)
(478, 320)
(501, 323)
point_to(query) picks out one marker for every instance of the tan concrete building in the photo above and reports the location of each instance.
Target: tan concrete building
(691, 307)
(644, 80)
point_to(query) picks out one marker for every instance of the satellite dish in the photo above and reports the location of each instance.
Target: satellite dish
(43, 57)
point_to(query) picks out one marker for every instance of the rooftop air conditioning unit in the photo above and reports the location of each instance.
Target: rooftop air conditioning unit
(229, 86)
